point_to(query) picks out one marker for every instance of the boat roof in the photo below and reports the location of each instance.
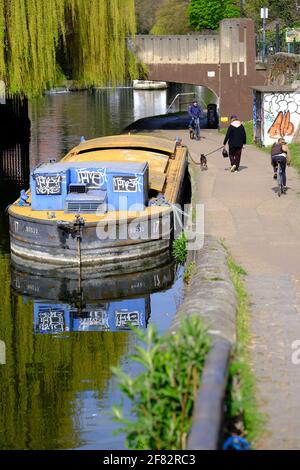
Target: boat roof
(121, 167)
(127, 141)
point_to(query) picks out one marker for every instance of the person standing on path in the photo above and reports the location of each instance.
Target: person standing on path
(236, 138)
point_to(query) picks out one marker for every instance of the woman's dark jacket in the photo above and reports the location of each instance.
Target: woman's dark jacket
(235, 135)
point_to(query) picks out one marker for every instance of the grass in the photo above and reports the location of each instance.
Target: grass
(189, 271)
(295, 153)
(243, 417)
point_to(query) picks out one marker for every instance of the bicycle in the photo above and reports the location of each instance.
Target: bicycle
(195, 130)
(280, 189)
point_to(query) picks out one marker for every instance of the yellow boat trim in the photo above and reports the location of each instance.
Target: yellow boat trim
(120, 216)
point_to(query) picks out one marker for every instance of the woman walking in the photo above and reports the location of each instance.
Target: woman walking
(236, 138)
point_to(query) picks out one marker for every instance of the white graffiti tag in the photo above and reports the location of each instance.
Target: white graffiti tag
(48, 184)
(51, 320)
(97, 319)
(93, 178)
(125, 318)
(127, 184)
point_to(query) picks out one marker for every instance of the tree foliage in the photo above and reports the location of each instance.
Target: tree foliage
(91, 33)
(172, 18)
(207, 14)
(146, 14)
(286, 13)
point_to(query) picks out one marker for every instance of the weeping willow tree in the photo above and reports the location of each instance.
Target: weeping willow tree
(91, 33)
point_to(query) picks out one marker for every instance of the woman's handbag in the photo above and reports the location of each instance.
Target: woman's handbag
(225, 153)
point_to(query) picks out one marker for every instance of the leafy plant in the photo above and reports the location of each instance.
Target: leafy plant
(188, 272)
(163, 394)
(179, 248)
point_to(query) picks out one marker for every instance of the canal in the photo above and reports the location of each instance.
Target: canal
(59, 337)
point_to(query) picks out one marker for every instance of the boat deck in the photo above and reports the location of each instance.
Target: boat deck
(165, 174)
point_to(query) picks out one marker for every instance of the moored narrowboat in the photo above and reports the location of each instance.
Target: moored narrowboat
(109, 203)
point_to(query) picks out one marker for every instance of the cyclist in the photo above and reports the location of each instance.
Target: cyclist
(194, 111)
(280, 154)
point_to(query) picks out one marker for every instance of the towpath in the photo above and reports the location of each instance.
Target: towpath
(263, 234)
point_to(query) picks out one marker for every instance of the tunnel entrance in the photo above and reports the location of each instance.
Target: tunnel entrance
(170, 107)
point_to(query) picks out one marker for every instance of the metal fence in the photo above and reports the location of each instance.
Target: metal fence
(275, 41)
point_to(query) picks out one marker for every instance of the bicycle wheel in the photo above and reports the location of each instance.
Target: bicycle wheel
(279, 182)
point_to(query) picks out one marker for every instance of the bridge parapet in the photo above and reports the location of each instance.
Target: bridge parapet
(230, 46)
(192, 49)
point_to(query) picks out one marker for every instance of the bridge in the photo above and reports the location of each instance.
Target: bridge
(225, 63)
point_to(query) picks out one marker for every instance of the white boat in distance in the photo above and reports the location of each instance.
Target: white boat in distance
(56, 91)
(149, 85)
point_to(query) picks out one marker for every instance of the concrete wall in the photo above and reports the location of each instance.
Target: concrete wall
(227, 47)
(192, 49)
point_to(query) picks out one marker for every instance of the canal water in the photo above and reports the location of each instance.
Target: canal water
(59, 339)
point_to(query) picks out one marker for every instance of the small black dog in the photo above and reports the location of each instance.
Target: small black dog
(203, 162)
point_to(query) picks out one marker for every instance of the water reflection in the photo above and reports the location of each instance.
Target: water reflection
(59, 120)
(56, 389)
(111, 304)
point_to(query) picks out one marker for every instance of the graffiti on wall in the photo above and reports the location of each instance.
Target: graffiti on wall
(281, 116)
(126, 318)
(92, 178)
(51, 320)
(48, 185)
(127, 184)
(95, 320)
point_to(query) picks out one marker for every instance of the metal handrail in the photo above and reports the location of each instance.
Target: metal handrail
(176, 97)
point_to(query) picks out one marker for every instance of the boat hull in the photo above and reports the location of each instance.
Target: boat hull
(130, 246)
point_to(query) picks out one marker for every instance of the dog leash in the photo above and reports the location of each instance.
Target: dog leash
(206, 155)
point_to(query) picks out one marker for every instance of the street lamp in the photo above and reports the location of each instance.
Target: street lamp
(264, 13)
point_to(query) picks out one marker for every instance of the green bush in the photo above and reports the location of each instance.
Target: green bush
(179, 248)
(163, 394)
(207, 14)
